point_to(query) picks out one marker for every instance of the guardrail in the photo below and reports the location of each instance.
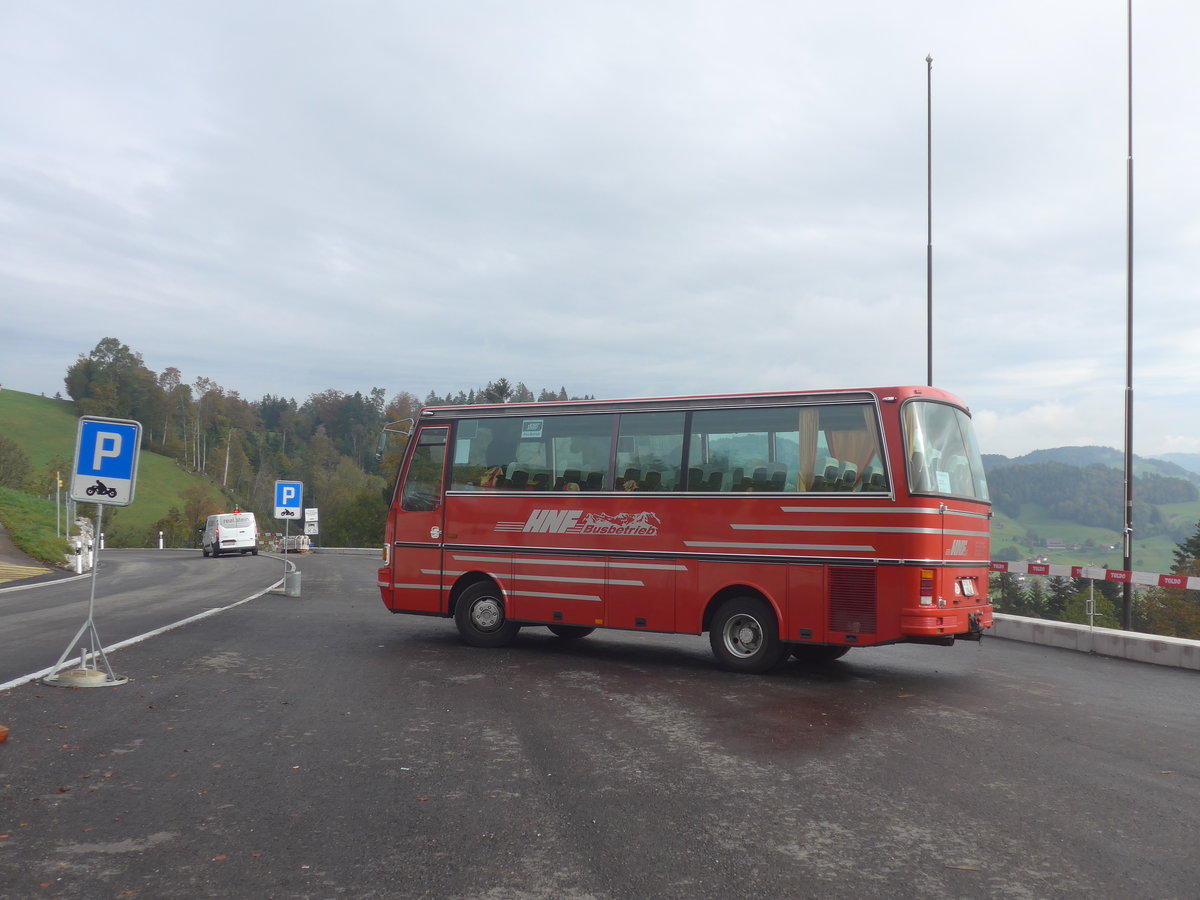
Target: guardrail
(1150, 648)
(1133, 645)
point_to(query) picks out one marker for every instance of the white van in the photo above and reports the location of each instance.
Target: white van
(234, 532)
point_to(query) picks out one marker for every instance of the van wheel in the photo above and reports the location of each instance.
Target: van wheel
(215, 552)
(204, 550)
(744, 636)
(254, 552)
(479, 615)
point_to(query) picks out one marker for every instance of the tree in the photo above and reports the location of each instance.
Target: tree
(112, 380)
(1174, 611)
(1035, 599)
(1060, 593)
(1006, 594)
(498, 391)
(197, 507)
(1105, 613)
(15, 467)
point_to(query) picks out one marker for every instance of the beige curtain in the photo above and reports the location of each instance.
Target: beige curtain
(809, 426)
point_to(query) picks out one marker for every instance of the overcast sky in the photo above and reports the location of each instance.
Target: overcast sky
(625, 198)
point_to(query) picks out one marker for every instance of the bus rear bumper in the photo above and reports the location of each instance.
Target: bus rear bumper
(963, 624)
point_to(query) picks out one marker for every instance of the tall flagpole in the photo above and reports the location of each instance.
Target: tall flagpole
(929, 213)
(1127, 596)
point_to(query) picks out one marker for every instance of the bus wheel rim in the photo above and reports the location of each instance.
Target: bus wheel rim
(487, 614)
(743, 636)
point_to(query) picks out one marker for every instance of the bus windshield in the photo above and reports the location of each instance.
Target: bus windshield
(943, 456)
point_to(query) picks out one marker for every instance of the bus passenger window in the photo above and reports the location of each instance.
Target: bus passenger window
(652, 443)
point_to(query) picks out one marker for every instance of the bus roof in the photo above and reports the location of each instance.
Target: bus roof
(648, 404)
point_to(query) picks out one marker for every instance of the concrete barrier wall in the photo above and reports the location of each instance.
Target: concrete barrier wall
(1149, 648)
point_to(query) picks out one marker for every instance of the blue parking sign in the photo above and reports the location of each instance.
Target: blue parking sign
(106, 460)
(288, 497)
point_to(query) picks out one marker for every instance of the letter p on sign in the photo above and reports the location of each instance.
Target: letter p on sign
(108, 446)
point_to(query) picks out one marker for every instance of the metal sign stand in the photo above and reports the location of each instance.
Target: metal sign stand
(85, 675)
(107, 451)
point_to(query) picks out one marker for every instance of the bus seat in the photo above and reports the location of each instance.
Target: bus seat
(714, 481)
(778, 479)
(540, 482)
(595, 482)
(826, 474)
(519, 480)
(847, 477)
(653, 481)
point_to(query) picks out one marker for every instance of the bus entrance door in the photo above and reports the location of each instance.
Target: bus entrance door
(417, 527)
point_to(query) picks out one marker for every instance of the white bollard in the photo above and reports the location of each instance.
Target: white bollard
(160, 546)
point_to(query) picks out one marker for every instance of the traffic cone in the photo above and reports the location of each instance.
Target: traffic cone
(3, 733)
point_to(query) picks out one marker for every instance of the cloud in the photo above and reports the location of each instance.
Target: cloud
(620, 198)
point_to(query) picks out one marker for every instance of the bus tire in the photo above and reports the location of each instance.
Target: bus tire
(818, 653)
(570, 632)
(745, 636)
(479, 615)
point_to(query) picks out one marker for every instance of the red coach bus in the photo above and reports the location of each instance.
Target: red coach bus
(803, 523)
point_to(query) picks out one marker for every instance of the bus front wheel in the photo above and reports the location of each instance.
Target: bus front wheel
(745, 636)
(479, 615)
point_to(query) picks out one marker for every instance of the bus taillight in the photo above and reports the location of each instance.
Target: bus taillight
(927, 587)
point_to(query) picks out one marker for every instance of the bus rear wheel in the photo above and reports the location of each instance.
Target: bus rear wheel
(570, 632)
(479, 616)
(745, 636)
(818, 653)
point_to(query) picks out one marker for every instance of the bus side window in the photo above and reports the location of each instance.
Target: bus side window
(422, 489)
(652, 443)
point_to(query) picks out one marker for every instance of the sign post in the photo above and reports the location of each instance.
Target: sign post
(288, 506)
(105, 473)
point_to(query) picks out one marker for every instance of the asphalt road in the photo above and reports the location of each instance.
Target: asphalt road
(137, 591)
(319, 747)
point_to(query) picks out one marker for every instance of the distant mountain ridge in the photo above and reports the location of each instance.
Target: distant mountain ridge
(1189, 461)
(1180, 465)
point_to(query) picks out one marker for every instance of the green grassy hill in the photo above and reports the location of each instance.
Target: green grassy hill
(1097, 546)
(46, 429)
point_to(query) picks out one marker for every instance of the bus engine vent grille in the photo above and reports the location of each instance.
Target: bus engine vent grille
(852, 600)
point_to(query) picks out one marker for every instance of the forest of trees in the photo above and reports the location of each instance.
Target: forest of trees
(328, 441)
(1089, 495)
